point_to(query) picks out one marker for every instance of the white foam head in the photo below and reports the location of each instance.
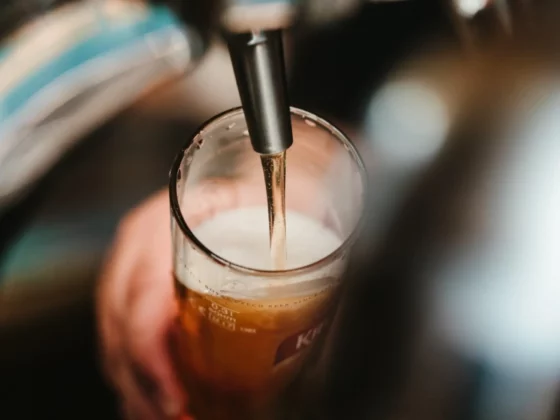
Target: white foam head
(241, 237)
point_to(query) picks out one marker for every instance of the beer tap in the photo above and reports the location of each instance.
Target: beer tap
(253, 30)
(258, 63)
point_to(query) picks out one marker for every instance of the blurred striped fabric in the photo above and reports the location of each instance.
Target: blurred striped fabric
(69, 70)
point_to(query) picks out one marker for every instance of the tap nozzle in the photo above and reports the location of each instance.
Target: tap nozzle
(260, 72)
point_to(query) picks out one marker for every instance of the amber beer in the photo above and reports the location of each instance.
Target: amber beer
(248, 319)
(245, 333)
(237, 355)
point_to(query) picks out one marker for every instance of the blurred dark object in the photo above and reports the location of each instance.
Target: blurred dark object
(361, 51)
(455, 312)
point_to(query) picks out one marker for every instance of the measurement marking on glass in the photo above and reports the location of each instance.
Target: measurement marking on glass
(222, 316)
(248, 330)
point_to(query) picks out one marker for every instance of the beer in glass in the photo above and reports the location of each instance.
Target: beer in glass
(245, 325)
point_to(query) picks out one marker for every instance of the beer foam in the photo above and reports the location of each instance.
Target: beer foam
(241, 237)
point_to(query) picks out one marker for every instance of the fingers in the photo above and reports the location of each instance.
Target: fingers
(147, 336)
(114, 284)
(151, 310)
(136, 401)
(108, 325)
(136, 308)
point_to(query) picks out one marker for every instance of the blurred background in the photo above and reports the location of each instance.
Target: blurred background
(77, 152)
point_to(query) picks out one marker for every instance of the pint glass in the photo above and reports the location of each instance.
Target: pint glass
(245, 328)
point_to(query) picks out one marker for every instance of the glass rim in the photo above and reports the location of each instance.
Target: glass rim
(177, 214)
